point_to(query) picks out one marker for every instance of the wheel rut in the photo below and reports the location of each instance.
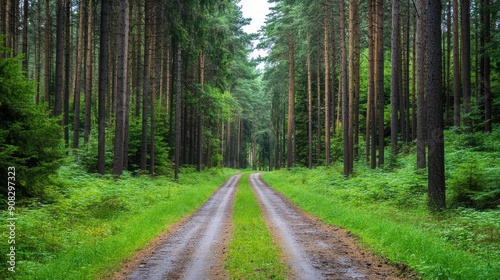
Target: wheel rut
(195, 250)
(312, 249)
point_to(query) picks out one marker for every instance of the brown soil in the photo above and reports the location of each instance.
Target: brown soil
(314, 250)
(191, 249)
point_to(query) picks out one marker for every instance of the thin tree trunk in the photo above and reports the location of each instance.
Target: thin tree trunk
(456, 69)
(88, 78)
(103, 87)
(67, 72)
(122, 73)
(486, 69)
(466, 64)
(146, 85)
(345, 92)
(380, 79)
(291, 99)
(47, 51)
(309, 102)
(318, 108)
(58, 99)
(200, 114)
(370, 108)
(25, 35)
(395, 78)
(79, 52)
(178, 113)
(327, 87)
(421, 115)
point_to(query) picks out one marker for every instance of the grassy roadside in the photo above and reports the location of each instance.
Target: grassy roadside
(404, 234)
(93, 223)
(252, 252)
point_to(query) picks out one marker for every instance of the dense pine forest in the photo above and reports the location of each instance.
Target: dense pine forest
(128, 108)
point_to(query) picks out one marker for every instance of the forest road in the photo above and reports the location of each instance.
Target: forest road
(312, 249)
(195, 250)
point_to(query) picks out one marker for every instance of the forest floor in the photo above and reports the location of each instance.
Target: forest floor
(195, 248)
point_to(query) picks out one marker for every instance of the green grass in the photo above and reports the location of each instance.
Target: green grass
(92, 224)
(387, 211)
(252, 252)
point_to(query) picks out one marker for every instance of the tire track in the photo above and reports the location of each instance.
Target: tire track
(312, 249)
(195, 249)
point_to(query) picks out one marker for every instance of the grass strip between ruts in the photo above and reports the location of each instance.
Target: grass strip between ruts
(252, 251)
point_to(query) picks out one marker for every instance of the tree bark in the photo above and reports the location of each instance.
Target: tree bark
(465, 60)
(327, 87)
(79, 52)
(309, 102)
(146, 85)
(421, 115)
(178, 113)
(25, 35)
(122, 73)
(291, 99)
(486, 61)
(58, 99)
(47, 51)
(380, 79)
(345, 92)
(436, 180)
(88, 78)
(103, 87)
(395, 78)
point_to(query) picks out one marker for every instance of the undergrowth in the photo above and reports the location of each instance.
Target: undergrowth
(252, 252)
(87, 224)
(388, 208)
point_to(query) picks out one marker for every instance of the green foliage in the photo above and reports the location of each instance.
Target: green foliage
(387, 210)
(252, 252)
(94, 223)
(30, 140)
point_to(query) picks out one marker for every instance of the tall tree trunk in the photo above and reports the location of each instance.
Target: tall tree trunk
(200, 114)
(395, 78)
(25, 34)
(370, 108)
(318, 108)
(103, 87)
(421, 115)
(436, 180)
(178, 113)
(59, 59)
(466, 64)
(456, 69)
(67, 65)
(327, 86)
(309, 102)
(353, 15)
(380, 79)
(146, 84)
(138, 59)
(485, 56)
(47, 51)
(152, 92)
(78, 78)
(88, 78)
(122, 73)
(345, 92)
(291, 99)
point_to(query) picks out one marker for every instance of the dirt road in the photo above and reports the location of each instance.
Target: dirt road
(312, 249)
(195, 249)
